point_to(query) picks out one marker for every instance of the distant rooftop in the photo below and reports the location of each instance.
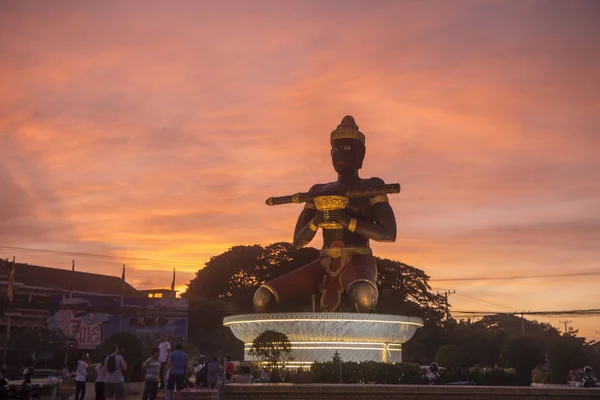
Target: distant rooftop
(66, 280)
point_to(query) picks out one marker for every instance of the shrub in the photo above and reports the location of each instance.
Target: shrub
(493, 376)
(523, 354)
(449, 356)
(367, 372)
(563, 356)
(540, 376)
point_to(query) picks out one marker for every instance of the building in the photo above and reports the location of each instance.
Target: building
(35, 287)
(86, 307)
(159, 293)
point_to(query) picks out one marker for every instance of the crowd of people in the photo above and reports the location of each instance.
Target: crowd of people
(166, 368)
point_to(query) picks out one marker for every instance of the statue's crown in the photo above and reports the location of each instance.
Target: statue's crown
(348, 130)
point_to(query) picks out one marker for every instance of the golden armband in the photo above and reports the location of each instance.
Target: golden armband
(379, 199)
(312, 226)
(352, 224)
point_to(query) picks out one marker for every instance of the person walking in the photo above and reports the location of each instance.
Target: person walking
(80, 377)
(152, 366)
(114, 382)
(164, 349)
(178, 370)
(99, 384)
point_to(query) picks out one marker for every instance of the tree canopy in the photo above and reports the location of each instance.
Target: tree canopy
(226, 285)
(523, 354)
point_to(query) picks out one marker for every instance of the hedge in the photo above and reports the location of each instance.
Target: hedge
(367, 372)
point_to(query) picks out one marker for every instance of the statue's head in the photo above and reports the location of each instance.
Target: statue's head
(347, 146)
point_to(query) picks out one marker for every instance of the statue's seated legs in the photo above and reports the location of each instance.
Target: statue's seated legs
(301, 282)
(363, 296)
(263, 300)
(357, 278)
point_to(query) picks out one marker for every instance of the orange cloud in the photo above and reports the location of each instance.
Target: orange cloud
(159, 132)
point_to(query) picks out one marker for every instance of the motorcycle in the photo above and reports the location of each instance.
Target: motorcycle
(589, 380)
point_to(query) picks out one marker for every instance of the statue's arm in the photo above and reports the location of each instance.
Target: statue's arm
(305, 231)
(382, 227)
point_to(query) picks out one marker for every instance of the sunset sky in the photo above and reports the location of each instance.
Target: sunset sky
(157, 129)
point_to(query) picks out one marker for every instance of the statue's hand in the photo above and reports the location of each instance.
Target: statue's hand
(339, 216)
(319, 217)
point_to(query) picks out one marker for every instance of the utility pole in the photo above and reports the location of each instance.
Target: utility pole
(522, 323)
(565, 322)
(446, 294)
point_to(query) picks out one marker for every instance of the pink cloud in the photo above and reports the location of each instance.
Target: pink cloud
(158, 132)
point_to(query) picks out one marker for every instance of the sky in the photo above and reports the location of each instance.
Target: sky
(157, 130)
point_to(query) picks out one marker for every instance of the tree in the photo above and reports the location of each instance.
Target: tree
(226, 286)
(564, 355)
(405, 290)
(235, 275)
(336, 357)
(450, 356)
(523, 354)
(272, 347)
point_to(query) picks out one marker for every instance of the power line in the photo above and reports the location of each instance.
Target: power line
(566, 323)
(477, 300)
(583, 312)
(513, 277)
(446, 294)
(100, 256)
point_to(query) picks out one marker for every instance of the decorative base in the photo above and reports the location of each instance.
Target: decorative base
(315, 337)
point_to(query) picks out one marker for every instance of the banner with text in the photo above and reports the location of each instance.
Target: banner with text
(90, 319)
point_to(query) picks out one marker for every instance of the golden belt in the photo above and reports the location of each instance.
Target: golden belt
(337, 252)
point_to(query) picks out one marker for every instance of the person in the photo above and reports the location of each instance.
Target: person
(202, 375)
(164, 348)
(264, 375)
(80, 377)
(214, 370)
(99, 383)
(229, 368)
(152, 366)
(346, 263)
(178, 370)
(167, 374)
(114, 382)
(26, 387)
(3, 388)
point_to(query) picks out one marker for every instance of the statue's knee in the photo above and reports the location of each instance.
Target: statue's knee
(263, 299)
(363, 295)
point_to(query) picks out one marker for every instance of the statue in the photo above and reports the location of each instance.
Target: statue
(351, 211)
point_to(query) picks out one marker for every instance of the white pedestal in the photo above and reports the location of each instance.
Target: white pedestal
(317, 336)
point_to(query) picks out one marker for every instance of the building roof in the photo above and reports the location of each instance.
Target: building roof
(66, 280)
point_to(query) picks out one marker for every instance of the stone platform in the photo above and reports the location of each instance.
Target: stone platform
(193, 394)
(317, 336)
(404, 392)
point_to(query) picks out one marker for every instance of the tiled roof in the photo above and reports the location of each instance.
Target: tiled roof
(66, 280)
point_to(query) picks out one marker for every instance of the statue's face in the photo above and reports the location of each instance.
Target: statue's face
(347, 155)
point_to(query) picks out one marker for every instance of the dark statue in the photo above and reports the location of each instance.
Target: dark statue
(351, 211)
